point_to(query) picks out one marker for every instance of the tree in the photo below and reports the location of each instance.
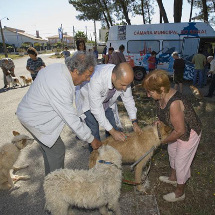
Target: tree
(145, 9)
(207, 9)
(123, 7)
(93, 10)
(177, 10)
(80, 35)
(162, 11)
(191, 9)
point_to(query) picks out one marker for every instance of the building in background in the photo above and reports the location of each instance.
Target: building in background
(16, 37)
(67, 40)
(103, 34)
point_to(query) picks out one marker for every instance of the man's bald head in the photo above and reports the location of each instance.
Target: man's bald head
(122, 76)
(123, 70)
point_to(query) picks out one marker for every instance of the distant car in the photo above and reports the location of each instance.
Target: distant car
(100, 47)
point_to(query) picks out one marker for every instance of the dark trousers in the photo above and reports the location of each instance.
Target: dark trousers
(53, 157)
(94, 125)
(212, 86)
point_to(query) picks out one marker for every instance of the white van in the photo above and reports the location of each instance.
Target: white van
(164, 39)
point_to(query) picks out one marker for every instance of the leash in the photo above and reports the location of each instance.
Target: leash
(109, 163)
(141, 158)
(142, 182)
(152, 149)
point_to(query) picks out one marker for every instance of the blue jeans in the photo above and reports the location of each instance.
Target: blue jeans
(198, 73)
(94, 125)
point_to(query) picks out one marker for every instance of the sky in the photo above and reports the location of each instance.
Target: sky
(46, 16)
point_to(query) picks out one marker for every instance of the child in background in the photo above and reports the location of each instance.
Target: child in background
(152, 61)
(108, 56)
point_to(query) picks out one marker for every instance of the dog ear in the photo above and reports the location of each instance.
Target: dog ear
(16, 133)
(24, 142)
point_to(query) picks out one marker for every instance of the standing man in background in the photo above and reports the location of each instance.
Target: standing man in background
(199, 60)
(118, 56)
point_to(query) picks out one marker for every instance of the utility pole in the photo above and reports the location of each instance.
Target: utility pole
(73, 32)
(95, 32)
(86, 31)
(3, 41)
(62, 35)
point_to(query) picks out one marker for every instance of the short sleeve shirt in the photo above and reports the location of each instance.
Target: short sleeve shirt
(35, 64)
(7, 65)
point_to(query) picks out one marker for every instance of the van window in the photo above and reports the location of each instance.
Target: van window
(170, 46)
(142, 46)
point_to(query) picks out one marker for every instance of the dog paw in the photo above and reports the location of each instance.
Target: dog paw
(15, 187)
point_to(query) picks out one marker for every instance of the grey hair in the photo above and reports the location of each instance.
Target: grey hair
(81, 61)
(210, 58)
(175, 54)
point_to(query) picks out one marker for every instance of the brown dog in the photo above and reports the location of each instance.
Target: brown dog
(136, 146)
(25, 80)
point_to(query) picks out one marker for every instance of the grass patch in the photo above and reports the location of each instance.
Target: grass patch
(12, 56)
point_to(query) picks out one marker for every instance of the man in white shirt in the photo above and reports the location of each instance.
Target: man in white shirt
(100, 95)
(211, 60)
(49, 105)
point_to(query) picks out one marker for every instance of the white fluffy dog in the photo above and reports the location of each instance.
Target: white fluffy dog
(98, 187)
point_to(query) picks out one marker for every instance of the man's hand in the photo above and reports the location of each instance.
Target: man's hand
(96, 144)
(117, 135)
(136, 128)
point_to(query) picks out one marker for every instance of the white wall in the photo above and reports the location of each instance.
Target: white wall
(11, 38)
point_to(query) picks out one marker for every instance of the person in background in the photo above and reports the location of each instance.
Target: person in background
(34, 63)
(104, 54)
(49, 105)
(80, 44)
(174, 110)
(108, 57)
(152, 61)
(7, 66)
(65, 53)
(118, 56)
(95, 52)
(178, 67)
(211, 60)
(199, 60)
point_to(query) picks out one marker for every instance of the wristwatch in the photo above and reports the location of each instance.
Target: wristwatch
(133, 121)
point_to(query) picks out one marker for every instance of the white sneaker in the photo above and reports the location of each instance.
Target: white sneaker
(166, 180)
(170, 197)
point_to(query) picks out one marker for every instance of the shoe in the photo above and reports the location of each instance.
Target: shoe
(209, 96)
(5, 86)
(170, 197)
(166, 180)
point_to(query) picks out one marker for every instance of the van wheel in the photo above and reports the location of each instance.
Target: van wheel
(139, 73)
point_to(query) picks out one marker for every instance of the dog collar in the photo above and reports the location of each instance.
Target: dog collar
(108, 162)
